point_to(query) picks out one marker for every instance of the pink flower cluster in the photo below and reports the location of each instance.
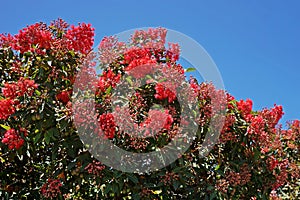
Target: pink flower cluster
(151, 38)
(110, 50)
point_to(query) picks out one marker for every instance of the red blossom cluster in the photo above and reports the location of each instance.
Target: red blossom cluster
(151, 38)
(23, 86)
(51, 188)
(107, 125)
(263, 130)
(110, 49)
(64, 96)
(164, 93)
(80, 38)
(139, 61)
(6, 40)
(13, 139)
(108, 78)
(95, 168)
(33, 38)
(173, 52)
(39, 38)
(7, 108)
(239, 178)
(245, 107)
(281, 166)
(156, 121)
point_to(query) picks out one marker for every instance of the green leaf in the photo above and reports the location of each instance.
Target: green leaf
(5, 127)
(176, 184)
(133, 178)
(108, 90)
(38, 92)
(190, 69)
(37, 138)
(107, 188)
(128, 79)
(47, 137)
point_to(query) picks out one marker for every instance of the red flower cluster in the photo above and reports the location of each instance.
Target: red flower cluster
(95, 168)
(33, 38)
(151, 38)
(6, 108)
(6, 40)
(23, 86)
(110, 49)
(157, 121)
(164, 93)
(245, 107)
(64, 96)
(51, 188)
(13, 139)
(273, 115)
(80, 38)
(108, 78)
(173, 52)
(38, 38)
(107, 125)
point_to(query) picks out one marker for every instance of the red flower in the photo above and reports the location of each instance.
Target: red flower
(108, 78)
(245, 107)
(7, 108)
(51, 188)
(64, 96)
(23, 86)
(164, 93)
(13, 139)
(33, 38)
(107, 124)
(95, 168)
(80, 38)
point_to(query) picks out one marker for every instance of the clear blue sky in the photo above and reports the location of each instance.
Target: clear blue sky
(255, 44)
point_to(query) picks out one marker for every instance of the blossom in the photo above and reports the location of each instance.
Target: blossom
(33, 38)
(95, 168)
(64, 96)
(51, 188)
(23, 86)
(151, 38)
(173, 52)
(6, 40)
(108, 78)
(272, 115)
(7, 108)
(80, 38)
(139, 68)
(110, 49)
(164, 93)
(156, 121)
(13, 139)
(245, 107)
(107, 125)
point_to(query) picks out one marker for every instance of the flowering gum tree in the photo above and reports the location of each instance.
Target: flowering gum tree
(42, 156)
